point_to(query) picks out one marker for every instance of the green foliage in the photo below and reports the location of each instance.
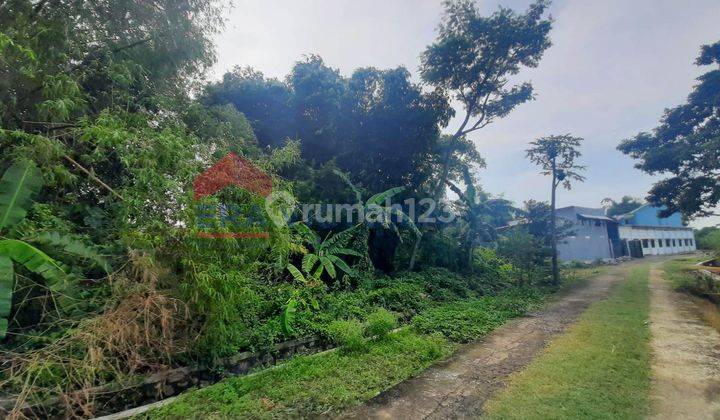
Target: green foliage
(325, 257)
(74, 247)
(625, 205)
(527, 253)
(380, 323)
(348, 334)
(343, 120)
(20, 182)
(464, 321)
(318, 385)
(685, 146)
(708, 238)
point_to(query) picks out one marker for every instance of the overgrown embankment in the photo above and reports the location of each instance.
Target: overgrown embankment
(333, 381)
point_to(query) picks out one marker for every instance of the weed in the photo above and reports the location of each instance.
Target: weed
(380, 323)
(348, 334)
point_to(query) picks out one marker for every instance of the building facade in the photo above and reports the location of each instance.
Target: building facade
(588, 234)
(655, 235)
(594, 236)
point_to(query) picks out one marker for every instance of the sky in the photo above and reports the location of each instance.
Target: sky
(614, 66)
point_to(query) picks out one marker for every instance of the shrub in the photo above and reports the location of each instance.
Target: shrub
(380, 323)
(464, 321)
(348, 334)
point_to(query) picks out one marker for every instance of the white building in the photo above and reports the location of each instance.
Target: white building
(644, 229)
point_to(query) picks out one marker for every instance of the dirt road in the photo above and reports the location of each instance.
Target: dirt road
(458, 387)
(686, 356)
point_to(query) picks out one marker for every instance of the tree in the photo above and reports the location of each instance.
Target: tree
(62, 59)
(472, 61)
(376, 125)
(624, 206)
(685, 146)
(708, 238)
(481, 214)
(556, 157)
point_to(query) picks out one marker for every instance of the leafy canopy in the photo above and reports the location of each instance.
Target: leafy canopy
(475, 56)
(556, 156)
(685, 147)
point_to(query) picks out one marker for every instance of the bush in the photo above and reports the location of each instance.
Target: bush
(348, 334)
(464, 321)
(380, 323)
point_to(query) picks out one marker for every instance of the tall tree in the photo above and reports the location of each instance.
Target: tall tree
(686, 146)
(556, 156)
(377, 125)
(472, 61)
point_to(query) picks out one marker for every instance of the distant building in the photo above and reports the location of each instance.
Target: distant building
(653, 234)
(595, 236)
(591, 234)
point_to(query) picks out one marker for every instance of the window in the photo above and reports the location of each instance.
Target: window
(645, 243)
(687, 242)
(691, 242)
(598, 223)
(667, 242)
(652, 243)
(660, 243)
(674, 243)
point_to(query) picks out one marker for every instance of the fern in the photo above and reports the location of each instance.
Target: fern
(20, 182)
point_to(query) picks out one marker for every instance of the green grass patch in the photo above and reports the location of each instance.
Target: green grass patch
(464, 321)
(313, 385)
(677, 272)
(330, 382)
(599, 369)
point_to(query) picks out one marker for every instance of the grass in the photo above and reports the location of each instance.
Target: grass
(599, 369)
(706, 292)
(327, 383)
(313, 385)
(677, 272)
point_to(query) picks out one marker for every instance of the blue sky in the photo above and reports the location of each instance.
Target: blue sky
(613, 68)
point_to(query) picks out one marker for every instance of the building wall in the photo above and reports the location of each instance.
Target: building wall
(648, 216)
(588, 242)
(650, 237)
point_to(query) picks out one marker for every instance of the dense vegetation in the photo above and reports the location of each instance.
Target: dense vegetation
(708, 238)
(106, 120)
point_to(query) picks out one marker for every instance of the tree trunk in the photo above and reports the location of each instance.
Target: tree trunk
(441, 183)
(553, 230)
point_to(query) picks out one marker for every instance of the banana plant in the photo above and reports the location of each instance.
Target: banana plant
(325, 256)
(382, 214)
(18, 185)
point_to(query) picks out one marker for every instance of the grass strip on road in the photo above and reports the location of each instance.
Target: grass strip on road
(600, 368)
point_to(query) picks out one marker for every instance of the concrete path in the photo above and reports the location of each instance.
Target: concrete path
(686, 356)
(458, 387)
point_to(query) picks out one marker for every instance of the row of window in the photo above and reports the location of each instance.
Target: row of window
(650, 243)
